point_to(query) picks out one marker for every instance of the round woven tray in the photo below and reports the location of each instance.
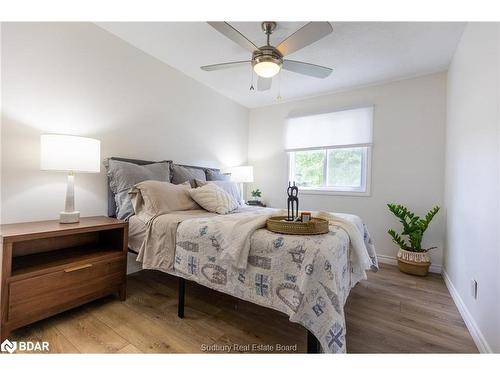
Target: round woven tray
(279, 224)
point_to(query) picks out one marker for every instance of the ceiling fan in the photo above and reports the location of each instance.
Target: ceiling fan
(267, 61)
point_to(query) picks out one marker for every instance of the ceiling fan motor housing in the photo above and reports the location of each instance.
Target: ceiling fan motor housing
(267, 54)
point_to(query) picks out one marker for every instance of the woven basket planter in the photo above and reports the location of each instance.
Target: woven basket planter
(316, 225)
(414, 263)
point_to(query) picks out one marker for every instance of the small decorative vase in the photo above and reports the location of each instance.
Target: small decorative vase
(414, 263)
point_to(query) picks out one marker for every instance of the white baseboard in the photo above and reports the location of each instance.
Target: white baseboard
(477, 336)
(387, 259)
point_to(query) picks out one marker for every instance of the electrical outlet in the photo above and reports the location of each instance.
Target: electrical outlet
(473, 288)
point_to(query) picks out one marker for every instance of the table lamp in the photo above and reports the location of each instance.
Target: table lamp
(241, 175)
(70, 154)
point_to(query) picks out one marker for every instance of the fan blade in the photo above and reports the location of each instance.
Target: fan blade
(228, 65)
(312, 70)
(304, 36)
(233, 34)
(264, 84)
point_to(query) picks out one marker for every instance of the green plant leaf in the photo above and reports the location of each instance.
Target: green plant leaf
(413, 227)
(256, 193)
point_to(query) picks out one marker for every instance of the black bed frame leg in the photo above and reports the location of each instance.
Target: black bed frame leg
(182, 292)
(313, 346)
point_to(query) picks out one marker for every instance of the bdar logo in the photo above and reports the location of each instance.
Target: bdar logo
(8, 346)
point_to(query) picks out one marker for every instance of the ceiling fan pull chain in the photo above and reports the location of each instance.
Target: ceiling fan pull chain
(251, 85)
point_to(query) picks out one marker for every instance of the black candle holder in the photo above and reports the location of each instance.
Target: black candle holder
(293, 201)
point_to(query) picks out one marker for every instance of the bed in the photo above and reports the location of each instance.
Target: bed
(306, 277)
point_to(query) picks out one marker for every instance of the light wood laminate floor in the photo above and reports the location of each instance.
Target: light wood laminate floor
(389, 313)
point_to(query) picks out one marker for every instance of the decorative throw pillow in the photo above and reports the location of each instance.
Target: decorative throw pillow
(216, 176)
(182, 174)
(228, 186)
(123, 176)
(214, 199)
(153, 198)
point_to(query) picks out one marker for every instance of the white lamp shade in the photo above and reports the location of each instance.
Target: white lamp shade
(70, 153)
(241, 174)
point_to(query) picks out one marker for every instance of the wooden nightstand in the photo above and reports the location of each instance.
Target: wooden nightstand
(47, 267)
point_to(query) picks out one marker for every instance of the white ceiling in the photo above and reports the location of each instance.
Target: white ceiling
(360, 53)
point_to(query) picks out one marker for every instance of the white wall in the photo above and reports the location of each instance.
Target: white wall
(472, 181)
(76, 78)
(0, 125)
(408, 155)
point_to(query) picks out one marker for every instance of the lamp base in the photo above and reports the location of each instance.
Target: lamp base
(242, 194)
(69, 217)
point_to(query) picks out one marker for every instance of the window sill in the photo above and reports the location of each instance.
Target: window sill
(306, 191)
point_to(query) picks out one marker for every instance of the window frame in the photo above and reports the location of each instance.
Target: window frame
(366, 166)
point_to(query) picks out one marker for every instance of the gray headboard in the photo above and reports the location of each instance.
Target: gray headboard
(111, 197)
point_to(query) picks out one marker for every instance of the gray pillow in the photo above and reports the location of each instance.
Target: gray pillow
(182, 174)
(123, 176)
(216, 176)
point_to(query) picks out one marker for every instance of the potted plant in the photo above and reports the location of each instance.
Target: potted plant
(256, 194)
(412, 258)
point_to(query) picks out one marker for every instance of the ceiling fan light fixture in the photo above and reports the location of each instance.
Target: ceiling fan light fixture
(267, 69)
(267, 62)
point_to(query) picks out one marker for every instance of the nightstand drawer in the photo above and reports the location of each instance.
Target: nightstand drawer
(58, 291)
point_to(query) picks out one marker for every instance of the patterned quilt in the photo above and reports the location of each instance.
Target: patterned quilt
(306, 277)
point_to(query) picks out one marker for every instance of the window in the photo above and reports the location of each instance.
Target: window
(331, 152)
(334, 169)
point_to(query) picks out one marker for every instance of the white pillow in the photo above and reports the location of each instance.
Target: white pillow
(228, 186)
(214, 199)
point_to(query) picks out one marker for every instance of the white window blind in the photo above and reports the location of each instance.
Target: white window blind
(348, 127)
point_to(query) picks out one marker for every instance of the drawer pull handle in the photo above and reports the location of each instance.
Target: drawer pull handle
(76, 268)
